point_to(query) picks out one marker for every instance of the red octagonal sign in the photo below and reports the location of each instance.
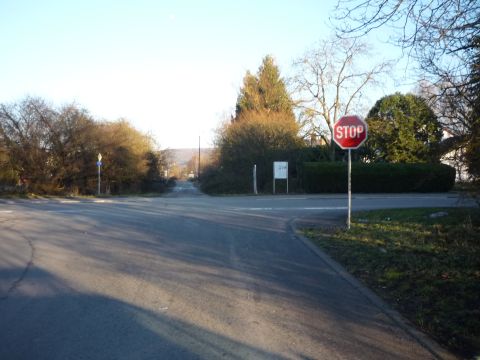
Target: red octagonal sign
(350, 132)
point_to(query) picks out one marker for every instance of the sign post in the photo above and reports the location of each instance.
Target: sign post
(280, 171)
(99, 165)
(255, 191)
(350, 132)
(349, 188)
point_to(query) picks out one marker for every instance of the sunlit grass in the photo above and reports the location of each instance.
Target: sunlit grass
(426, 267)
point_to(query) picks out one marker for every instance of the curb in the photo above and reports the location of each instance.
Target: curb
(434, 348)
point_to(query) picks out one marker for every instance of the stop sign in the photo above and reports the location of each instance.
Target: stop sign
(350, 132)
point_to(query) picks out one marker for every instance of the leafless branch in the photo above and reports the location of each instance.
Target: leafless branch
(329, 83)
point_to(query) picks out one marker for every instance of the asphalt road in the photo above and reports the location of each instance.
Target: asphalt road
(186, 276)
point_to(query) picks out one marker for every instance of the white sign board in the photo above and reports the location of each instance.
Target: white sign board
(280, 170)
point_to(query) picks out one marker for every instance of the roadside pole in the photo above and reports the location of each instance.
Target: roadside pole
(98, 192)
(198, 170)
(99, 165)
(274, 182)
(350, 132)
(255, 180)
(349, 188)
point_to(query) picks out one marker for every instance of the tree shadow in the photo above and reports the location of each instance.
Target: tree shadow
(76, 325)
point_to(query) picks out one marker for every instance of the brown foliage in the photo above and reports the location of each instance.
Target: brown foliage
(54, 150)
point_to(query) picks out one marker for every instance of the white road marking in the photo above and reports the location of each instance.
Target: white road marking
(283, 198)
(294, 208)
(6, 211)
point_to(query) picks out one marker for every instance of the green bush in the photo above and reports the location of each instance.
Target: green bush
(217, 181)
(239, 179)
(328, 177)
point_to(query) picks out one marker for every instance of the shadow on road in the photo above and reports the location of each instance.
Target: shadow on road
(126, 331)
(223, 270)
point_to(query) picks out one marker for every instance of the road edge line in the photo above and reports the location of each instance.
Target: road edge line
(423, 339)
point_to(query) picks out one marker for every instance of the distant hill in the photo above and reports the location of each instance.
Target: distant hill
(182, 156)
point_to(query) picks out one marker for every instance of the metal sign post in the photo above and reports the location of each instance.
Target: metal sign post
(273, 184)
(99, 165)
(255, 180)
(349, 188)
(350, 132)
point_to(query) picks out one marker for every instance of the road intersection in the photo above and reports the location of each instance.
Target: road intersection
(187, 276)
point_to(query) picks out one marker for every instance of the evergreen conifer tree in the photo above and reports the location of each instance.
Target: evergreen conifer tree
(265, 91)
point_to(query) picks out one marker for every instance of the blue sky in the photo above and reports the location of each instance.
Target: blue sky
(173, 68)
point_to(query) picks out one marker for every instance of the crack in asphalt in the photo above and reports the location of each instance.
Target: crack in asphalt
(24, 273)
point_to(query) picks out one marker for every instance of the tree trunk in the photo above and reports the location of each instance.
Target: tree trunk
(332, 150)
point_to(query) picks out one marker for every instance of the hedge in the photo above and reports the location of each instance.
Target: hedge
(331, 177)
(236, 177)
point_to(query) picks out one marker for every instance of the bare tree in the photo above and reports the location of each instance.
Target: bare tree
(53, 150)
(452, 104)
(25, 136)
(330, 83)
(437, 33)
(443, 36)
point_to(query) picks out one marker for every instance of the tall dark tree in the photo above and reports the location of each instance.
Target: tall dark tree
(472, 154)
(264, 123)
(402, 128)
(265, 91)
(249, 97)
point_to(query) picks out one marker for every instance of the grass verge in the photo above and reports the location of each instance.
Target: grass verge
(424, 262)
